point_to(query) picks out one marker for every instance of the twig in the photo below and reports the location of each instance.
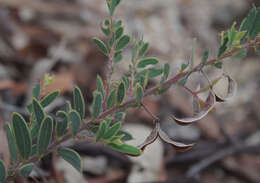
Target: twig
(132, 100)
(219, 155)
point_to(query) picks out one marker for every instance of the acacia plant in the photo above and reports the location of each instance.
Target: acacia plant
(31, 140)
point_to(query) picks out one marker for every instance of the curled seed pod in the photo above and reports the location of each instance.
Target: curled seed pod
(178, 146)
(231, 90)
(209, 105)
(151, 138)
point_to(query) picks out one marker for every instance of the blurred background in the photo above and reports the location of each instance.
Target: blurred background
(54, 36)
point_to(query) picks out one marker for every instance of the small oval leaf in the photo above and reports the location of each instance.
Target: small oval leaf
(22, 135)
(100, 86)
(126, 149)
(11, 142)
(2, 171)
(97, 104)
(61, 125)
(49, 98)
(112, 131)
(72, 157)
(38, 111)
(79, 103)
(125, 135)
(120, 93)
(119, 32)
(147, 61)
(139, 94)
(74, 121)
(143, 49)
(36, 91)
(25, 170)
(111, 101)
(45, 135)
(101, 45)
(101, 131)
(122, 42)
(209, 105)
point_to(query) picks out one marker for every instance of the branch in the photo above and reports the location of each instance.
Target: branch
(132, 100)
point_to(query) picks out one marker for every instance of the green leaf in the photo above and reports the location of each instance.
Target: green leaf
(147, 61)
(125, 148)
(68, 107)
(100, 86)
(205, 57)
(110, 132)
(45, 135)
(239, 36)
(120, 116)
(231, 36)
(111, 101)
(144, 79)
(120, 93)
(222, 49)
(248, 23)
(101, 131)
(2, 171)
(125, 135)
(36, 91)
(61, 125)
(11, 142)
(122, 42)
(143, 49)
(256, 27)
(35, 130)
(34, 150)
(139, 93)
(218, 65)
(74, 121)
(153, 72)
(25, 170)
(117, 24)
(111, 41)
(118, 57)
(72, 157)
(37, 111)
(107, 22)
(22, 135)
(126, 81)
(184, 66)
(101, 45)
(241, 54)
(79, 104)
(166, 70)
(106, 31)
(119, 32)
(49, 98)
(112, 6)
(97, 104)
